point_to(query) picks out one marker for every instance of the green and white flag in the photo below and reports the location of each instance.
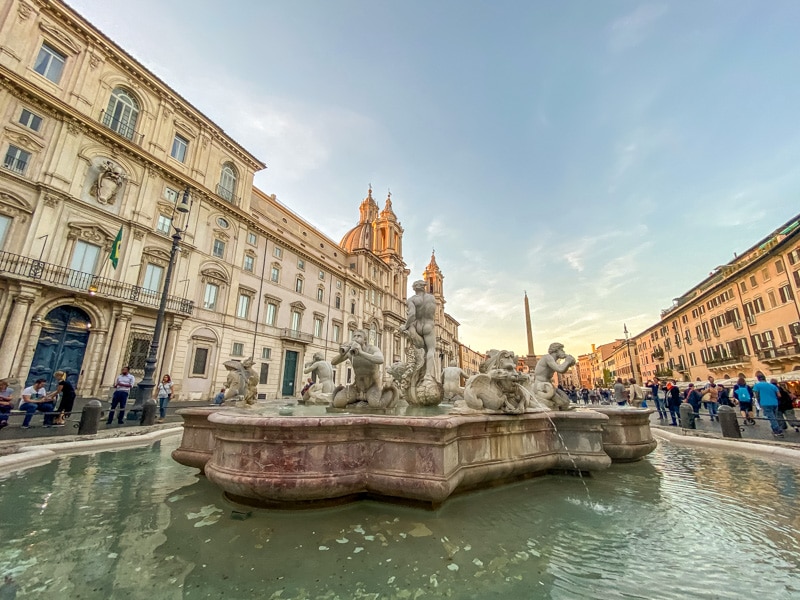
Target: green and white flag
(114, 256)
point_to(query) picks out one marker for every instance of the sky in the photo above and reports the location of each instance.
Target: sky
(602, 156)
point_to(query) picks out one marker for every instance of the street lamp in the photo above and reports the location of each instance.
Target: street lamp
(628, 346)
(147, 384)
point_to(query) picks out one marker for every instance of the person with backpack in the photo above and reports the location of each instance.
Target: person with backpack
(744, 396)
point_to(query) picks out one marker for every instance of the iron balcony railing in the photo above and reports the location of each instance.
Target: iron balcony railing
(61, 277)
(298, 336)
(15, 164)
(124, 128)
(227, 194)
(789, 351)
(727, 361)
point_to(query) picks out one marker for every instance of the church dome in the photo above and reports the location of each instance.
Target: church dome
(360, 237)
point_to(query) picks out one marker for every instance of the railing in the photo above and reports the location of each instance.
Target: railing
(728, 360)
(790, 351)
(15, 164)
(62, 277)
(227, 194)
(121, 127)
(298, 336)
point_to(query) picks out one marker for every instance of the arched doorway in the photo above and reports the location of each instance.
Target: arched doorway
(61, 346)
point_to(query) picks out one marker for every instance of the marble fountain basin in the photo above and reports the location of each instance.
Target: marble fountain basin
(296, 461)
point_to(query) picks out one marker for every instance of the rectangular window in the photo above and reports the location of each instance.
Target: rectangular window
(252, 238)
(200, 361)
(5, 225)
(272, 311)
(317, 327)
(794, 256)
(210, 296)
(179, 146)
(164, 224)
(753, 282)
(779, 266)
(320, 294)
(337, 332)
(693, 358)
(782, 334)
(266, 353)
(50, 63)
(338, 302)
(219, 249)
(796, 276)
(338, 284)
(301, 264)
(278, 252)
(786, 294)
(275, 275)
(765, 274)
(295, 321)
(322, 275)
(298, 285)
(16, 159)
(30, 120)
(263, 375)
(243, 306)
(771, 297)
(238, 349)
(152, 277)
(249, 261)
(84, 257)
(171, 195)
(743, 286)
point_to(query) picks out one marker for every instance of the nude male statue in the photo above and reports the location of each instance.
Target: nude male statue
(543, 389)
(323, 371)
(366, 361)
(419, 326)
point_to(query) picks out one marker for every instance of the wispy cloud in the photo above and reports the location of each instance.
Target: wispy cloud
(630, 30)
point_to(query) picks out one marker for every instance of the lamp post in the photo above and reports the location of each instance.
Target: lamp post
(628, 346)
(147, 384)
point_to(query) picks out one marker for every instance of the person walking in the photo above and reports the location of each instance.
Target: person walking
(619, 393)
(785, 406)
(743, 394)
(673, 402)
(34, 399)
(122, 388)
(67, 392)
(635, 394)
(164, 396)
(711, 398)
(659, 403)
(694, 398)
(723, 397)
(767, 395)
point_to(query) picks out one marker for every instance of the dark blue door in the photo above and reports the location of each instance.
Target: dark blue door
(289, 373)
(61, 346)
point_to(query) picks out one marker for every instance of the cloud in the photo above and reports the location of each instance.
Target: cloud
(631, 30)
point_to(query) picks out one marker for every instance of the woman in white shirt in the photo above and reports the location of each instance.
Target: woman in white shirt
(164, 396)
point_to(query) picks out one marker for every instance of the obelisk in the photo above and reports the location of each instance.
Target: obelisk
(531, 359)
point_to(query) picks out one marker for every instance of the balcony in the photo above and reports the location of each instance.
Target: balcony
(15, 164)
(123, 128)
(295, 336)
(788, 353)
(62, 278)
(227, 194)
(738, 360)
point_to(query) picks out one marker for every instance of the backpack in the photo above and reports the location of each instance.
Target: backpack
(743, 394)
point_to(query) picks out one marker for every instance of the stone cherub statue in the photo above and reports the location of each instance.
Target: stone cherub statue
(109, 180)
(544, 392)
(499, 387)
(368, 389)
(242, 382)
(320, 392)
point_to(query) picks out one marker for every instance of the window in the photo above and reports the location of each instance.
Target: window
(771, 297)
(252, 238)
(320, 293)
(164, 224)
(301, 264)
(179, 146)
(278, 252)
(275, 275)
(171, 195)
(796, 276)
(337, 332)
(743, 286)
(794, 256)
(338, 284)
(765, 274)
(152, 277)
(264, 374)
(753, 282)
(200, 361)
(353, 307)
(322, 275)
(317, 327)
(227, 182)
(30, 120)
(50, 63)
(219, 249)
(222, 222)
(298, 285)
(84, 257)
(779, 268)
(296, 320)
(249, 262)
(338, 302)
(5, 225)
(243, 306)
(16, 159)
(782, 334)
(122, 113)
(786, 294)
(272, 311)
(266, 353)
(210, 296)
(238, 349)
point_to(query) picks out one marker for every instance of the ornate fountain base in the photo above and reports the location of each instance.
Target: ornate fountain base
(296, 460)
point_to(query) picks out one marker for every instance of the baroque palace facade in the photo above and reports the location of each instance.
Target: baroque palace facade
(93, 144)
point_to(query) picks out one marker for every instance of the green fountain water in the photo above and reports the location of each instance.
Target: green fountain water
(679, 524)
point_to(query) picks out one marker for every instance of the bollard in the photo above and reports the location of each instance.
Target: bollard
(687, 416)
(149, 410)
(728, 422)
(90, 418)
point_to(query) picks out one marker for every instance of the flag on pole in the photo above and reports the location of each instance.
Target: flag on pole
(114, 256)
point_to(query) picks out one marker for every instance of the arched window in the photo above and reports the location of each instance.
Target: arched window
(122, 113)
(227, 183)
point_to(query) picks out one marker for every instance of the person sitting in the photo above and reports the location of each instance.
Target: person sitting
(6, 402)
(34, 398)
(220, 398)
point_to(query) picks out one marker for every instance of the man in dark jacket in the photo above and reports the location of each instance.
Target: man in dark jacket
(695, 399)
(673, 402)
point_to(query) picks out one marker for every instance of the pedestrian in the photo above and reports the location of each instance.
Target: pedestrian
(743, 394)
(655, 390)
(67, 392)
(308, 384)
(6, 402)
(694, 398)
(635, 394)
(711, 398)
(164, 396)
(723, 397)
(619, 393)
(220, 398)
(585, 395)
(122, 388)
(673, 402)
(767, 395)
(34, 399)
